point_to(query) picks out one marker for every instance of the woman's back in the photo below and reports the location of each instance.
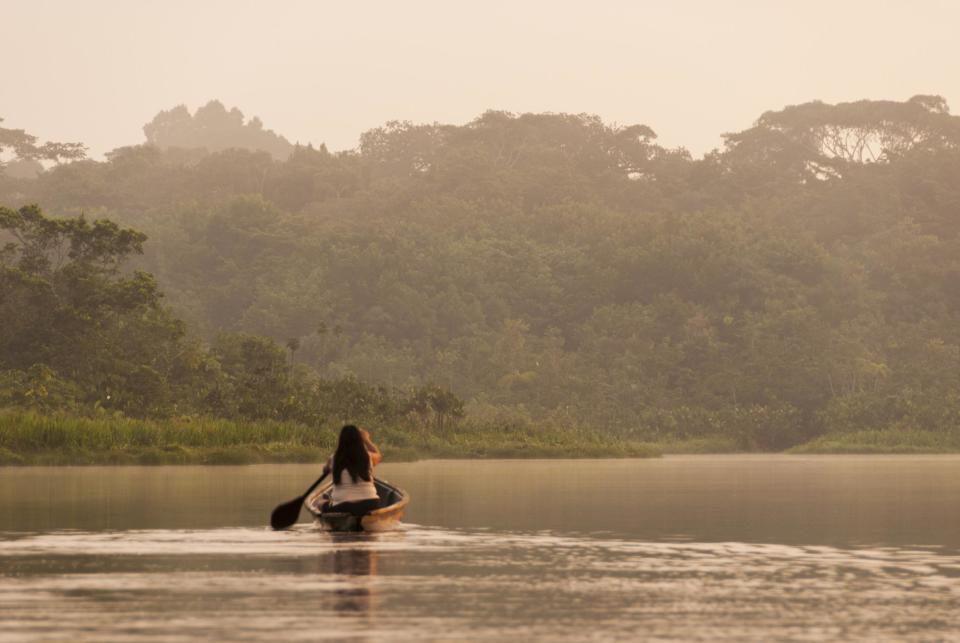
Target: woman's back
(351, 489)
(352, 467)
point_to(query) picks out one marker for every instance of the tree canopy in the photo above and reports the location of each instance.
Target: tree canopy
(24, 151)
(214, 128)
(552, 267)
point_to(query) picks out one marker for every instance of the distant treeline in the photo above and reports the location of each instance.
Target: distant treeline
(536, 268)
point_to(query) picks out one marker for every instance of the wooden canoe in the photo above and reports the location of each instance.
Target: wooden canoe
(393, 499)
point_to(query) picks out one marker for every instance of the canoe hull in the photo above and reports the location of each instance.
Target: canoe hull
(393, 500)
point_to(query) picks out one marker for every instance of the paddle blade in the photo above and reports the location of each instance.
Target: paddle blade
(286, 514)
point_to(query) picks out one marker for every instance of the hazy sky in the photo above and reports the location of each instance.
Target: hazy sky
(317, 71)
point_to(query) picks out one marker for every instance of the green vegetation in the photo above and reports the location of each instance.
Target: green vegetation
(34, 438)
(212, 128)
(883, 441)
(799, 286)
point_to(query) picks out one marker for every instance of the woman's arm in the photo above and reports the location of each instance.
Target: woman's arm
(375, 455)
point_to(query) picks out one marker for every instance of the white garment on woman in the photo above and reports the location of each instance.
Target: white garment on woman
(350, 490)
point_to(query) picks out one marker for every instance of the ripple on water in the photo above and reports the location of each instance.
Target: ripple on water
(422, 582)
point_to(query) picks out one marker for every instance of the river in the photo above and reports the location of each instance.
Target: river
(739, 548)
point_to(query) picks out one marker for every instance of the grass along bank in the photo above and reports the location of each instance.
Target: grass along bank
(892, 441)
(28, 438)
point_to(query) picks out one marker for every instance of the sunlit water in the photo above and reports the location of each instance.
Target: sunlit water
(714, 547)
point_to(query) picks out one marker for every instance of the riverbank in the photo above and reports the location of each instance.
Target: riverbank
(28, 438)
(882, 441)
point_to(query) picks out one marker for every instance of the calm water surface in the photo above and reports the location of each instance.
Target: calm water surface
(684, 548)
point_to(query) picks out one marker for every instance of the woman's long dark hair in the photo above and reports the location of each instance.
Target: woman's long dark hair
(351, 454)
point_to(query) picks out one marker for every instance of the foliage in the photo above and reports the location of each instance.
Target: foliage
(213, 128)
(883, 441)
(80, 334)
(66, 305)
(803, 279)
(25, 147)
(45, 438)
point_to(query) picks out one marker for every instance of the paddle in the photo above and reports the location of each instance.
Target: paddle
(289, 512)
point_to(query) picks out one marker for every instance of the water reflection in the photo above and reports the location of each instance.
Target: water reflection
(804, 500)
(250, 584)
(358, 567)
(720, 548)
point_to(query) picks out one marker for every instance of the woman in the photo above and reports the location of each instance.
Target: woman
(352, 467)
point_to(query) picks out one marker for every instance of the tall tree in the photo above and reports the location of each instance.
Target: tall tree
(214, 128)
(26, 147)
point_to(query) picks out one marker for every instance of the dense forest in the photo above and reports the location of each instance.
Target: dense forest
(543, 269)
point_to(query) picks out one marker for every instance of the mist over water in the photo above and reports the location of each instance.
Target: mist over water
(742, 548)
